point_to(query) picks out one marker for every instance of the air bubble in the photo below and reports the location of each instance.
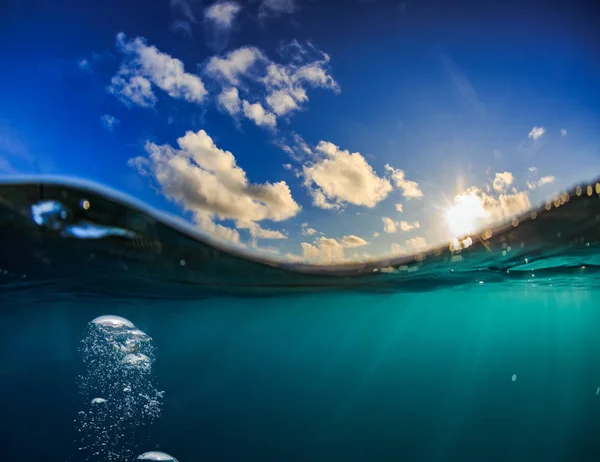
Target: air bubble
(157, 456)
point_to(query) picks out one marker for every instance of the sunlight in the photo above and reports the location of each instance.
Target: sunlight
(462, 218)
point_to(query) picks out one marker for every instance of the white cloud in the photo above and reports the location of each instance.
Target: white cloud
(353, 241)
(541, 182)
(502, 181)
(533, 169)
(293, 258)
(389, 225)
(406, 226)
(258, 115)
(375, 234)
(206, 180)
(417, 243)
(536, 132)
(109, 122)
(83, 64)
(267, 251)
(235, 64)
(323, 250)
(339, 177)
(563, 132)
(410, 189)
(307, 231)
(229, 100)
(281, 102)
(288, 166)
(221, 232)
(280, 87)
(222, 13)
(485, 209)
(258, 232)
(295, 146)
(135, 89)
(275, 7)
(145, 64)
(397, 249)
(399, 207)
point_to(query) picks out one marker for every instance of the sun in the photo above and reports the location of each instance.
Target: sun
(464, 216)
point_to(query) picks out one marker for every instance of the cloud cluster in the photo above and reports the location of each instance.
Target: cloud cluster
(329, 250)
(541, 182)
(308, 231)
(410, 189)
(145, 67)
(274, 89)
(207, 181)
(222, 13)
(488, 209)
(536, 132)
(502, 181)
(391, 226)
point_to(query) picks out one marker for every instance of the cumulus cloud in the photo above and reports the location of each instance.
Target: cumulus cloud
(502, 181)
(541, 182)
(144, 65)
(477, 205)
(397, 249)
(329, 250)
(399, 207)
(323, 250)
(410, 189)
(258, 115)
(283, 88)
(222, 13)
(406, 226)
(536, 132)
(532, 169)
(563, 132)
(235, 64)
(391, 226)
(338, 177)
(353, 241)
(307, 231)
(109, 122)
(206, 223)
(258, 232)
(207, 181)
(375, 234)
(416, 244)
(229, 100)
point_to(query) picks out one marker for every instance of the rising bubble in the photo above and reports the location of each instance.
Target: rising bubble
(157, 455)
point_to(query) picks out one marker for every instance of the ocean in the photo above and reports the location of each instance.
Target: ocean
(125, 335)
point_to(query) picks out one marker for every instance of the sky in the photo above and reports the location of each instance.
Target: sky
(313, 130)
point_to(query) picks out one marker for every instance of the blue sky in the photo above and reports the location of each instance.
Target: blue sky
(308, 128)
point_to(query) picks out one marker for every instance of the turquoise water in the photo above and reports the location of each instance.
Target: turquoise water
(486, 365)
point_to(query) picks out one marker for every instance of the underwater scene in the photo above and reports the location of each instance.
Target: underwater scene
(127, 336)
(299, 231)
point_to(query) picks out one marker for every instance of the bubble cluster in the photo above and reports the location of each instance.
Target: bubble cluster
(118, 387)
(156, 456)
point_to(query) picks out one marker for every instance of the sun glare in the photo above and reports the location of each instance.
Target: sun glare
(463, 217)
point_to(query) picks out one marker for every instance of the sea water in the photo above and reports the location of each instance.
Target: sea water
(137, 340)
